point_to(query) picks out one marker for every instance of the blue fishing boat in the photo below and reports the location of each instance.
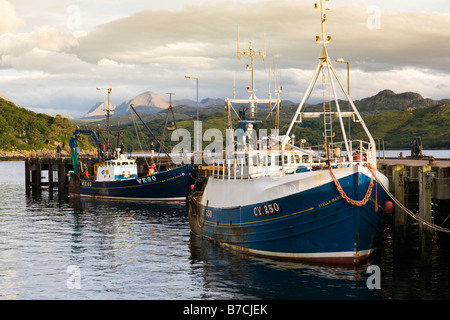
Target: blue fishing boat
(273, 197)
(117, 177)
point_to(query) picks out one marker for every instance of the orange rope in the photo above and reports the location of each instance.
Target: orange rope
(351, 201)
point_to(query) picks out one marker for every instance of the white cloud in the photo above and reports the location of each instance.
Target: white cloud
(210, 32)
(135, 50)
(8, 19)
(107, 63)
(45, 61)
(42, 37)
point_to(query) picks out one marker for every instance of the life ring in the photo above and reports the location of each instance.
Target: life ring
(126, 174)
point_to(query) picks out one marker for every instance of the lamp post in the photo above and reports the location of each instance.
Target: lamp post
(340, 60)
(188, 76)
(108, 112)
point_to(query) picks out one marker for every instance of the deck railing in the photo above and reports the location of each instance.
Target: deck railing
(250, 164)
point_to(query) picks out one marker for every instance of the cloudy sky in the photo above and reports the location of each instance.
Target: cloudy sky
(53, 54)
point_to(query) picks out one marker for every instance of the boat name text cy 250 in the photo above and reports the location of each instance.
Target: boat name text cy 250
(267, 209)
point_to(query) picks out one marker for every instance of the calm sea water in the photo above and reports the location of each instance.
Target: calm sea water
(437, 154)
(56, 247)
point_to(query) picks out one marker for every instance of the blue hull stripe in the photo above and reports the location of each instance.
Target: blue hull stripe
(172, 184)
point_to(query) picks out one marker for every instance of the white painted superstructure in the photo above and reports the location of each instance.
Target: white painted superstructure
(119, 168)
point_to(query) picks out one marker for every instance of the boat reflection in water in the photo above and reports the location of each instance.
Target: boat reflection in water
(230, 275)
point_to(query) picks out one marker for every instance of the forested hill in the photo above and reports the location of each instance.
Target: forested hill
(398, 128)
(22, 129)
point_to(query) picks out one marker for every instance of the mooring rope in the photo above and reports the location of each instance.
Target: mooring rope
(409, 212)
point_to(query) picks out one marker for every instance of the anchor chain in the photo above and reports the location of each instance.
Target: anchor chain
(359, 203)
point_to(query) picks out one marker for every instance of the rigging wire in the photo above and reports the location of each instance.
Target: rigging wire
(137, 134)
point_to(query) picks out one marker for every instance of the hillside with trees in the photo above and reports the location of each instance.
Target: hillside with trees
(396, 128)
(25, 130)
(408, 116)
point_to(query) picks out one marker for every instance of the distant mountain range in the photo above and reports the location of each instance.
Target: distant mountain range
(388, 101)
(393, 118)
(99, 110)
(146, 102)
(151, 103)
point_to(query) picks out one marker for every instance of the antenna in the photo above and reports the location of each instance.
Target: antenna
(234, 86)
(264, 52)
(323, 17)
(252, 53)
(278, 89)
(238, 51)
(170, 95)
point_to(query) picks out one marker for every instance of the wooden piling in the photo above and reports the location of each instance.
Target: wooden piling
(27, 174)
(36, 173)
(27, 177)
(398, 173)
(62, 172)
(425, 212)
(425, 195)
(50, 173)
(419, 185)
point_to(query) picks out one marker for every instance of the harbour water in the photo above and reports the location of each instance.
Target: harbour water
(436, 153)
(57, 247)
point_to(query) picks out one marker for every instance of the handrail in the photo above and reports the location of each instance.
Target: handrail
(275, 162)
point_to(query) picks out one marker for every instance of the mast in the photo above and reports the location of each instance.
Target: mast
(328, 74)
(108, 115)
(174, 123)
(252, 53)
(149, 130)
(253, 101)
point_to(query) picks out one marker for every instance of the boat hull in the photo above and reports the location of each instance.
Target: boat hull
(313, 222)
(171, 185)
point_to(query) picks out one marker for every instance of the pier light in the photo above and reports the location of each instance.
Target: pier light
(341, 60)
(188, 76)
